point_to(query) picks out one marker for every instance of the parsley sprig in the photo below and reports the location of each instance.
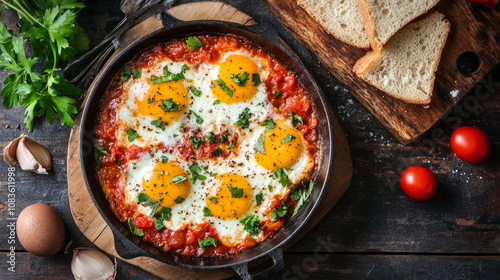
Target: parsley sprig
(55, 37)
(251, 224)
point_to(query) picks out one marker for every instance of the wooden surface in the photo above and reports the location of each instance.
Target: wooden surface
(473, 28)
(373, 232)
(94, 227)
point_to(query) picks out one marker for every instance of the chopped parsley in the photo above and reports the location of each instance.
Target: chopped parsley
(223, 86)
(240, 80)
(199, 120)
(230, 146)
(196, 142)
(288, 138)
(280, 211)
(195, 172)
(207, 242)
(259, 146)
(169, 106)
(255, 79)
(185, 67)
(224, 137)
(168, 76)
(217, 152)
(159, 124)
(269, 124)
(213, 199)
(142, 197)
(98, 152)
(251, 224)
(135, 231)
(235, 192)
(295, 119)
(164, 159)
(137, 73)
(206, 211)
(164, 214)
(116, 161)
(193, 43)
(216, 102)
(127, 71)
(179, 199)
(277, 93)
(159, 224)
(194, 90)
(211, 137)
(258, 198)
(132, 135)
(213, 174)
(280, 173)
(178, 179)
(302, 195)
(244, 118)
(270, 188)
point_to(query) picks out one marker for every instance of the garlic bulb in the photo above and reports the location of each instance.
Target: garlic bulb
(89, 263)
(28, 154)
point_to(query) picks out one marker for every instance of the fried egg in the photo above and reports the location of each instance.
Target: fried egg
(211, 98)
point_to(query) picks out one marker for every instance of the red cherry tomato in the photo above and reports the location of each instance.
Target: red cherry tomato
(470, 144)
(418, 182)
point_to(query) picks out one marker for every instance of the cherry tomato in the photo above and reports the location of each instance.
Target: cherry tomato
(470, 144)
(418, 182)
(487, 3)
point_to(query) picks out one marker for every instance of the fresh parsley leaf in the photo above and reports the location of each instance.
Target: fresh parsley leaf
(240, 80)
(251, 224)
(159, 224)
(295, 118)
(280, 173)
(116, 161)
(193, 43)
(288, 138)
(259, 146)
(169, 106)
(164, 214)
(213, 199)
(137, 73)
(179, 199)
(211, 137)
(194, 90)
(130, 224)
(244, 118)
(207, 242)
(159, 124)
(138, 232)
(195, 172)
(223, 86)
(185, 67)
(199, 120)
(132, 135)
(216, 102)
(98, 152)
(258, 198)
(304, 195)
(269, 124)
(277, 93)
(142, 197)
(270, 188)
(235, 192)
(255, 79)
(224, 137)
(196, 142)
(217, 152)
(150, 101)
(206, 211)
(127, 71)
(213, 174)
(168, 76)
(230, 146)
(280, 211)
(178, 179)
(164, 159)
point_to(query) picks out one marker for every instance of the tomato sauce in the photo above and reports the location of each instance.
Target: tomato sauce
(110, 171)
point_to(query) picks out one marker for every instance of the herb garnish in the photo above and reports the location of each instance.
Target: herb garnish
(132, 134)
(137, 73)
(288, 138)
(135, 231)
(277, 93)
(251, 224)
(98, 152)
(223, 86)
(244, 118)
(259, 146)
(194, 90)
(195, 172)
(258, 198)
(159, 124)
(178, 179)
(240, 80)
(280, 173)
(207, 242)
(142, 197)
(295, 118)
(199, 120)
(196, 142)
(280, 211)
(169, 106)
(235, 192)
(269, 124)
(213, 199)
(179, 199)
(206, 211)
(193, 43)
(255, 79)
(164, 159)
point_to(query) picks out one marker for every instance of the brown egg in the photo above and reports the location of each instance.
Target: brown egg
(40, 230)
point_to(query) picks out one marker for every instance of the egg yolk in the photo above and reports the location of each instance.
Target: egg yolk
(235, 80)
(230, 197)
(164, 101)
(282, 147)
(160, 184)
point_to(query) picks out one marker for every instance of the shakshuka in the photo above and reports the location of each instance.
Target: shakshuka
(205, 145)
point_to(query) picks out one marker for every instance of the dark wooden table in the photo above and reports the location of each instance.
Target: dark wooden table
(374, 232)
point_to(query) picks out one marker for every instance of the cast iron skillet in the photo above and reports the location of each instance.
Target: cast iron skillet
(265, 36)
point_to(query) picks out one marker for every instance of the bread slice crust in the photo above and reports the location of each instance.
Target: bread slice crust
(367, 62)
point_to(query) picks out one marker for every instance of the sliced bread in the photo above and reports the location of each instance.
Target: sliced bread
(405, 66)
(341, 18)
(383, 18)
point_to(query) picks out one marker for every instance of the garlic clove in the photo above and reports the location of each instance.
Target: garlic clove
(28, 154)
(89, 263)
(9, 152)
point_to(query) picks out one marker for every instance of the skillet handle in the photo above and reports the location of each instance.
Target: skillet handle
(278, 264)
(123, 247)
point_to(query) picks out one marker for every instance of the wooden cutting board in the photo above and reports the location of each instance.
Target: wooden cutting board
(474, 28)
(92, 224)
